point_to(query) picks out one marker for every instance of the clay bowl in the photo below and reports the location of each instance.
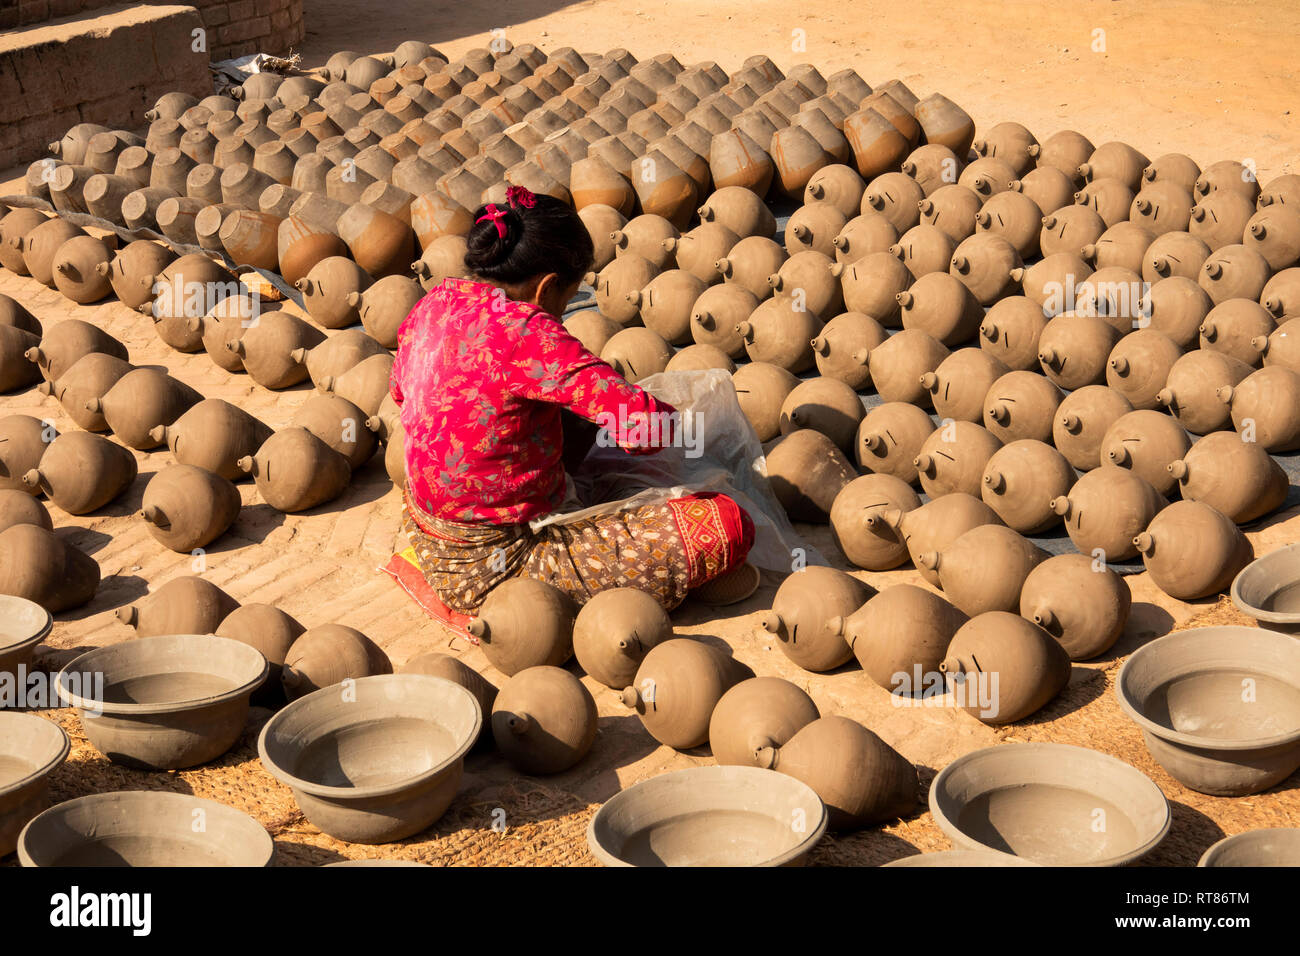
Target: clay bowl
(1275, 847)
(709, 816)
(166, 702)
(144, 828)
(376, 761)
(948, 858)
(23, 625)
(1050, 803)
(1219, 706)
(1268, 589)
(31, 748)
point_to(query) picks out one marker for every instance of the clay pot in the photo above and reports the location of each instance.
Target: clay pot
(1177, 306)
(857, 525)
(1191, 550)
(1105, 509)
(1220, 218)
(41, 244)
(1082, 420)
(1050, 283)
(140, 401)
(1069, 229)
(14, 315)
(1230, 176)
(340, 425)
(952, 209)
(34, 748)
(81, 472)
(213, 435)
(327, 655)
(1234, 272)
(442, 259)
(942, 306)
(759, 713)
(1236, 478)
(1121, 246)
(644, 236)
(626, 274)
(184, 605)
(901, 635)
(365, 384)
(1191, 392)
(878, 147)
(987, 177)
(1074, 349)
(677, 687)
(1013, 216)
(267, 349)
(953, 458)
(1173, 168)
(737, 159)
(1114, 294)
(739, 210)
(923, 249)
(945, 123)
(637, 353)
(525, 623)
(187, 508)
(1174, 254)
(1280, 346)
(80, 270)
(897, 366)
(1264, 407)
(1274, 232)
(864, 235)
(1049, 187)
(860, 778)
(890, 439)
(797, 156)
(1010, 332)
(1282, 294)
(600, 221)
(872, 285)
(1139, 366)
(715, 315)
(842, 347)
(1080, 603)
(1020, 481)
(751, 262)
(591, 328)
(1029, 666)
(593, 180)
(23, 440)
(543, 720)
(615, 630)
(134, 266)
(1010, 142)
(17, 507)
(814, 227)
(14, 227)
(1162, 207)
(41, 567)
(826, 405)
(933, 166)
(700, 357)
(807, 470)
(761, 390)
(296, 471)
(1146, 442)
(780, 332)
(664, 189)
(272, 632)
(697, 251)
(983, 262)
(1115, 160)
(838, 186)
(897, 197)
(815, 601)
(337, 354)
(16, 370)
(1199, 722)
(985, 569)
(936, 524)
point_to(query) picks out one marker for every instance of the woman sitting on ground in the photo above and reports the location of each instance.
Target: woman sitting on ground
(484, 370)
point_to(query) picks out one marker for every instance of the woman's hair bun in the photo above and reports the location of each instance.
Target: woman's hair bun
(489, 247)
(537, 235)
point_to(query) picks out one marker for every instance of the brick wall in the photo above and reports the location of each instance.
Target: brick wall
(107, 67)
(234, 27)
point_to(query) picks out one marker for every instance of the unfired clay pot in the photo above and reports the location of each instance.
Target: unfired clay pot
(42, 567)
(890, 438)
(759, 713)
(1192, 551)
(816, 601)
(1082, 420)
(383, 764)
(985, 568)
(169, 701)
(1021, 479)
(953, 457)
(1235, 477)
(525, 623)
(1079, 601)
(677, 687)
(761, 390)
(1004, 668)
(1043, 803)
(1021, 405)
(901, 635)
(858, 526)
(807, 470)
(614, 631)
(1201, 716)
(936, 524)
(1146, 442)
(543, 720)
(1106, 509)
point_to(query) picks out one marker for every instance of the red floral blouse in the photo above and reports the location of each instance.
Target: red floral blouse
(480, 380)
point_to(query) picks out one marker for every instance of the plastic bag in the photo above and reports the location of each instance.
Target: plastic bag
(717, 451)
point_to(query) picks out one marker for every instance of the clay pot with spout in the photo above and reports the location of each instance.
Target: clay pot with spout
(826, 405)
(936, 524)
(1028, 665)
(953, 458)
(952, 209)
(1191, 391)
(677, 687)
(1081, 603)
(1237, 478)
(1192, 551)
(943, 306)
(808, 614)
(1106, 509)
(1069, 229)
(1073, 349)
(81, 472)
(761, 390)
(1266, 407)
(807, 470)
(614, 631)
(902, 632)
(890, 439)
(857, 524)
(1139, 366)
(780, 332)
(842, 348)
(1082, 420)
(1021, 405)
(1021, 480)
(985, 569)
(1177, 306)
(898, 364)
(1146, 442)
(756, 714)
(1010, 332)
(958, 386)
(864, 235)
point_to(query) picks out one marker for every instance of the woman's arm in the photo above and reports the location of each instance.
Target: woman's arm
(550, 365)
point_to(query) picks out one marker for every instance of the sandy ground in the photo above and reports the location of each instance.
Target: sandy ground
(1209, 79)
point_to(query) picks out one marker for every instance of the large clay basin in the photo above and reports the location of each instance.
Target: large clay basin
(947, 858)
(168, 702)
(31, 748)
(1279, 846)
(23, 625)
(1050, 803)
(376, 759)
(1268, 589)
(709, 816)
(144, 828)
(1219, 706)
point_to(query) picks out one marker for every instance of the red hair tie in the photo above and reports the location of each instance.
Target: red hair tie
(498, 217)
(520, 196)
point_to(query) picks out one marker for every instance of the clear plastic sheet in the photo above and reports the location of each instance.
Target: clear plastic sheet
(719, 452)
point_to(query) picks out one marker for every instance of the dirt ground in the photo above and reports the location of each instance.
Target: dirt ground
(1209, 79)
